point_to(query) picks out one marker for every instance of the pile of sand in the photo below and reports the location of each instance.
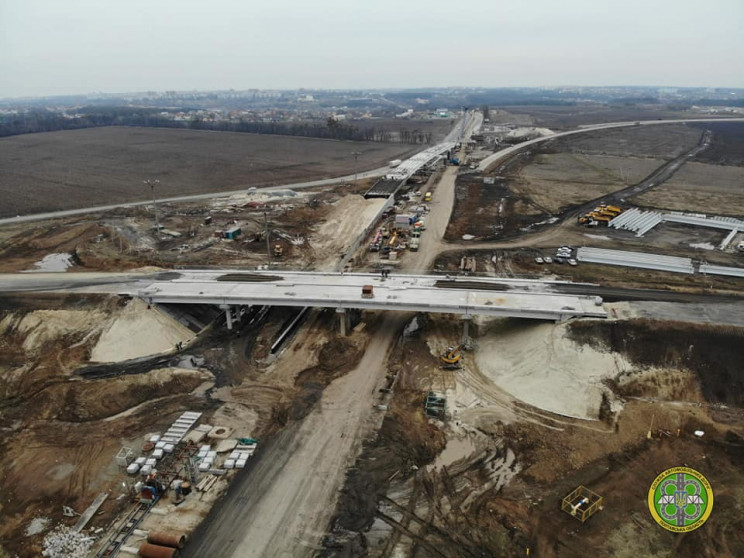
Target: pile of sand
(345, 222)
(539, 365)
(138, 331)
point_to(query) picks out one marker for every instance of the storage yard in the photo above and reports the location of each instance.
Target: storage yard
(138, 425)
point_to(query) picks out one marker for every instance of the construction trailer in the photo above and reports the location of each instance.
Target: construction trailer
(232, 233)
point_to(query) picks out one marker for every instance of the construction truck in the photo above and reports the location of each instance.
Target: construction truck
(450, 359)
(606, 213)
(602, 219)
(278, 251)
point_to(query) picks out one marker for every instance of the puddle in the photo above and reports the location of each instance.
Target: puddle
(52, 263)
(456, 449)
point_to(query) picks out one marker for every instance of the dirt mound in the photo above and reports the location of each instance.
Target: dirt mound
(713, 353)
(97, 399)
(139, 330)
(336, 357)
(540, 365)
(40, 328)
(348, 216)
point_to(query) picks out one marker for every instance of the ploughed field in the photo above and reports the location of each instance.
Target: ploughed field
(99, 166)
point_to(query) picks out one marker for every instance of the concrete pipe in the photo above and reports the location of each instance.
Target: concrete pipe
(174, 540)
(154, 551)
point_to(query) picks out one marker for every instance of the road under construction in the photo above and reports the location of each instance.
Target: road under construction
(343, 291)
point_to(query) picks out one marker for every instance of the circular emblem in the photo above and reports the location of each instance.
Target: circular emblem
(680, 499)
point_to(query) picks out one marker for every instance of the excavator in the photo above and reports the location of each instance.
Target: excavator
(450, 359)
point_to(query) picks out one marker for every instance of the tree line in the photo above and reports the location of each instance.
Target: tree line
(93, 117)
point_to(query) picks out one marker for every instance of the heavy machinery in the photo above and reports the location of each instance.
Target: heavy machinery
(450, 359)
(278, 251)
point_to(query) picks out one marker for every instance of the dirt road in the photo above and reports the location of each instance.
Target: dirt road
(281, 507)
(436, 224)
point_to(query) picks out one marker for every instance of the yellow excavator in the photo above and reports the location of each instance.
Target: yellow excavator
(450, 359)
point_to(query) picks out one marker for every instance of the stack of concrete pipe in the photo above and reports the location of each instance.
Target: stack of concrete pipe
(162, 545)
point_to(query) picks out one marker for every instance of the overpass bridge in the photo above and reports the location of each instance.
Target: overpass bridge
(467, 297)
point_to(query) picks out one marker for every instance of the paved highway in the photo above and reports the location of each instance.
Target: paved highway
(408, 293)
(499, 155)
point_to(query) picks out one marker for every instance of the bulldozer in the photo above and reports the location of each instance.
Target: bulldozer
(450, 359)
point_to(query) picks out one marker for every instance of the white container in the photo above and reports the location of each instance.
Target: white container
(146, 469)
(229, 464)
(151, 462)
(158, 454)
(140, 461)
(234, 455)
(133, 468)
(160, 445)
(206, 447)
(205, 466)
(155, 439)
(240, 464)
(212, 454)
(168, 448)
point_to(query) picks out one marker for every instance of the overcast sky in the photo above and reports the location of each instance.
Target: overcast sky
(81, 46)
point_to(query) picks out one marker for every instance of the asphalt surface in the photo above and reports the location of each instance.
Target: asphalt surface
(497, 157)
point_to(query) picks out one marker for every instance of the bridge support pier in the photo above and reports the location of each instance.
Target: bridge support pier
(465, 330)
(343, 321)
(228, 315)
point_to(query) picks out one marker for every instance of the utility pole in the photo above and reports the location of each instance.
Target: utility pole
(266, 234)
(356, 159)
(152, 184)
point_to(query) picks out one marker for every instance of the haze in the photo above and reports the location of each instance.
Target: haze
(48, 47)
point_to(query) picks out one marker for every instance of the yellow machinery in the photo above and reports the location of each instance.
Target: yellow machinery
(450, 359)
(278, 251)
(393, 239)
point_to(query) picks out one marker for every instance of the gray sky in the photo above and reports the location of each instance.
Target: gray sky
(81, 46)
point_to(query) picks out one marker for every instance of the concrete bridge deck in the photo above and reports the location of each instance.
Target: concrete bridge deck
(415, 293)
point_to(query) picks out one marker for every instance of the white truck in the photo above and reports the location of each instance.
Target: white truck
(394, 163)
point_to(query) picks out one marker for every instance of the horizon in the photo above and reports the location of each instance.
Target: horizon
(149, 92)
(48, 48)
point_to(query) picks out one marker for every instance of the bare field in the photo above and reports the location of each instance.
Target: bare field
(95, 166)
(567, 117)
(557, 181)
(664, 142)
(700, 187)
(727, 147)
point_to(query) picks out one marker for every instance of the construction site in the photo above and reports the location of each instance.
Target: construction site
(489, 347)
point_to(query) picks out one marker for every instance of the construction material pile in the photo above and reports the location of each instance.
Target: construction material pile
(64, 542)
